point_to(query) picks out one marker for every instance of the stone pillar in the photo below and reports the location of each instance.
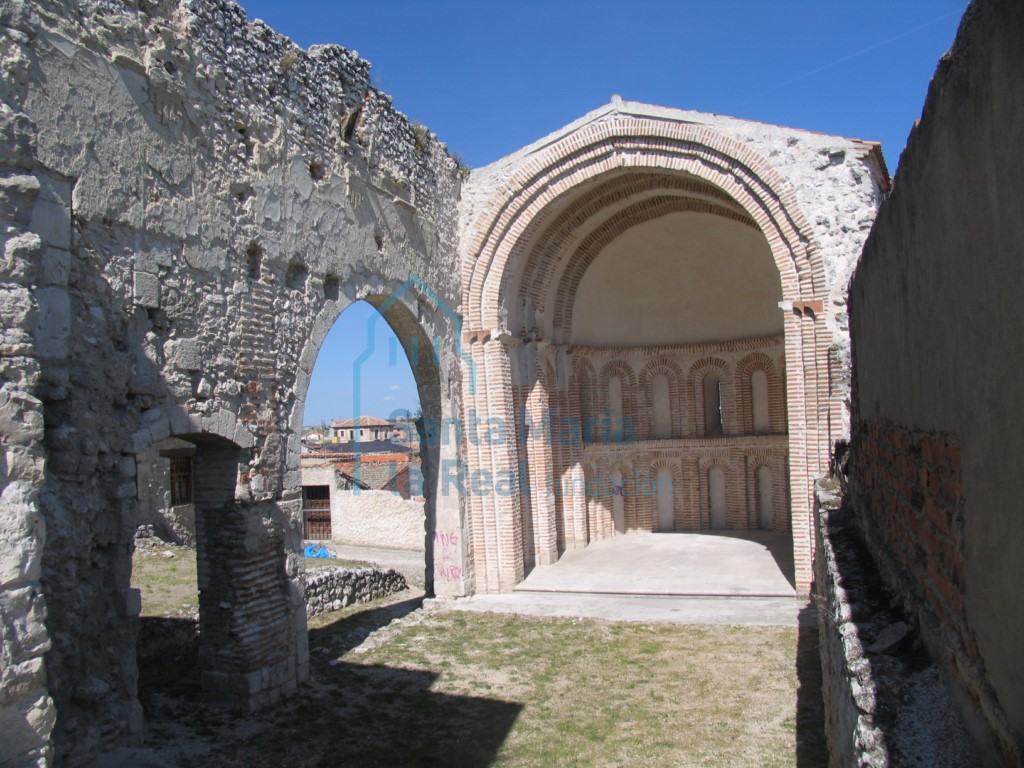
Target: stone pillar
(27, 713)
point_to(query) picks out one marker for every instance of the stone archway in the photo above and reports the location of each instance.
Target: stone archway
(421, 323)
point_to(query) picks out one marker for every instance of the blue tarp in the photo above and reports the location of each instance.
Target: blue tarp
(315, 550)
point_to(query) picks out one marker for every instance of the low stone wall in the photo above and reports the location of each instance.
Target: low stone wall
(330, 589)
(885, 700)
(327, 589)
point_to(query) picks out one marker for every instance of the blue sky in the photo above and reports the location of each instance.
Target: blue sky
(489, 78)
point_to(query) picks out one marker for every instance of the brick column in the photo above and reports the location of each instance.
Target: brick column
(503, 456)
(481, 523)
(539, 446)
(492, 456)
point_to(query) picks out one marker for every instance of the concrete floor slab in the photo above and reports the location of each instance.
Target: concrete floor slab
(719, 564)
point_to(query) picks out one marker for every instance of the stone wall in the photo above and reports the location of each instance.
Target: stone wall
(331, 589)
(190, 202)
(938, 360)
(886, 703)
(27, 712)
(171, 522)
(327, 589)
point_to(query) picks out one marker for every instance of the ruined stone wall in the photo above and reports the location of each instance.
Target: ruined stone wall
(190, 202)
(936, 318)
(885, 702)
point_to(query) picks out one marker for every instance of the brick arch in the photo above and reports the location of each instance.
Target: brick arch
(674, 466)
(698, 371)
(638, 143)
(676, 386)
(758, 361)
(776, 465)
(623, 370)
(559, 229)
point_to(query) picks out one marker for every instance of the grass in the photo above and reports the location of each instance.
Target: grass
(465, 689)
(169, 585)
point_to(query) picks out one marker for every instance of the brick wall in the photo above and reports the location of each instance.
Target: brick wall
(909, 486)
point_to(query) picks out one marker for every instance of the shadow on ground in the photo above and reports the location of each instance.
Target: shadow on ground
(348, 714)
(811, 746)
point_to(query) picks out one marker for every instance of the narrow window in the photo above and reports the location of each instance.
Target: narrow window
(662, 407)
(712, 406)
(765, 513)
(181, 480)
(759, 402)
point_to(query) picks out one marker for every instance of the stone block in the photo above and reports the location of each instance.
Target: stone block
(146, 289)
(18, 681)
(26, 728)
(55, 267)
(21, 254)
(184, 354)
(52, 222)
(54, 322)
(23, 464)
(22, 532)
(21, 418)
(23, 613)
(16, 309)
(151, 261)
(17, 197)
(53, 189)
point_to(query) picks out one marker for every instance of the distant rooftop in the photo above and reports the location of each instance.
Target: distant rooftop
(361, 421)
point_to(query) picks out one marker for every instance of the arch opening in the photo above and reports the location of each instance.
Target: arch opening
(536, 273)
(367, 406)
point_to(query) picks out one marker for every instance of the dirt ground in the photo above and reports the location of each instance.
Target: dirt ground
(397, 683)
